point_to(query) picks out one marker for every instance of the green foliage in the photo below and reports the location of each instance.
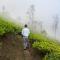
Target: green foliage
(46, 45)
(8, 26)
(52, 56)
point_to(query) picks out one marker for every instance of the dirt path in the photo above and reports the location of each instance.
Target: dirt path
(12, 49)
(27, 55)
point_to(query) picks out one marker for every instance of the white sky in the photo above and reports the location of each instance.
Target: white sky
(44, 9)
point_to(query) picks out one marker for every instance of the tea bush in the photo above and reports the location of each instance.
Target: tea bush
(47, 46)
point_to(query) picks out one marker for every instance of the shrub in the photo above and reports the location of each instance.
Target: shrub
(7, 26)
(48, 47)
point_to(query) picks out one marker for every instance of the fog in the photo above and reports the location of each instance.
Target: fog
(44, 11)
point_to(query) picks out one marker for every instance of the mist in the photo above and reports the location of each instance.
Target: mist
(45, 11)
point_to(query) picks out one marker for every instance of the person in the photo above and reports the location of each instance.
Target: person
(25, 34)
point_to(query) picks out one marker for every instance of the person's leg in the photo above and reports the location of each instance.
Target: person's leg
(24, 41)
(27, 42)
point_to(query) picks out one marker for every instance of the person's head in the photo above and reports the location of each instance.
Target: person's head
(25, 25)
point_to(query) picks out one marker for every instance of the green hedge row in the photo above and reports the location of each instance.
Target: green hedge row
(49, 47)
(7, 26)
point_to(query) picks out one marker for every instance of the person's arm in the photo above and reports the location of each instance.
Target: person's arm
(29, 31)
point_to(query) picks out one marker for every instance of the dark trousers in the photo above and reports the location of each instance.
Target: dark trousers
(25, 42)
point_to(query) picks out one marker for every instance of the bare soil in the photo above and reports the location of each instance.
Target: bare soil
(11, 48)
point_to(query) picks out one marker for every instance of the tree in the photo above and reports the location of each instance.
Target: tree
(55, 24)
(31, 15)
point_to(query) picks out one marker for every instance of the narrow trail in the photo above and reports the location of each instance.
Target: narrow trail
(27, 55)
(12, 49)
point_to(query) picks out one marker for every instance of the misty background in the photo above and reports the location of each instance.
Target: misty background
(46, 14)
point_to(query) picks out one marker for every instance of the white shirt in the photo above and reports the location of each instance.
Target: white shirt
(25, 32)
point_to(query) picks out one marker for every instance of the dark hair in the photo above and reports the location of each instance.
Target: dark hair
(25, 25)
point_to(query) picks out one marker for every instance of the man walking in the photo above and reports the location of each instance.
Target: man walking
(25, 34)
